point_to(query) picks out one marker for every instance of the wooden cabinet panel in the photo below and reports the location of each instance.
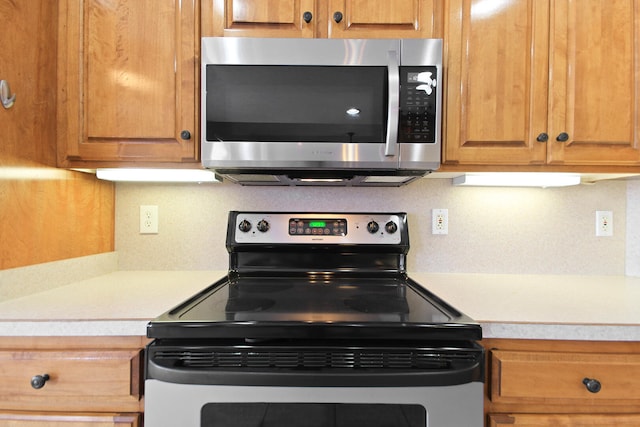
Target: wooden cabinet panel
(540, 383)
(259, 18)
(358, 18)
(385, 19)
(594, 51)
(551, 375)
(497, 82)
(17, 419)
(551, 83)
(563, 420)
(43, 211)
(127, 81)
(97, 380)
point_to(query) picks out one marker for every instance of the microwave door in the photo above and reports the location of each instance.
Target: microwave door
(296, 103)
(303, 105)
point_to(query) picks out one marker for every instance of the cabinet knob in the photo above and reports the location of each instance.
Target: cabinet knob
(337, 16)
(307, 16)
(563, 137)
(592, 385)
(543, 137)
(186, 135)
(39, 381)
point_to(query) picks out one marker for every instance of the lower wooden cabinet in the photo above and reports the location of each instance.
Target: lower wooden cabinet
(564, 420)
(25, 419)
(71, 381)
(562, 383)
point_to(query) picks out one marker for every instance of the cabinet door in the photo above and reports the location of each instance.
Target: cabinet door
(496, 100)
(259, 18)
(564, 420)
(127, 81)
(68, 420)
(385, 19)
(595, 91)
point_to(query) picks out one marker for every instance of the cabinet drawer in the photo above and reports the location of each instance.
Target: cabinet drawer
(96, 380)
(564, 420)
(25, 419)
(549, 377)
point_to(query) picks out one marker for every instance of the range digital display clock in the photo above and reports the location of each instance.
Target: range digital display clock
(324, 227)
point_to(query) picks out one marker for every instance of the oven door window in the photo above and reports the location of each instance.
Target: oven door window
(312, 415)
(296, 103)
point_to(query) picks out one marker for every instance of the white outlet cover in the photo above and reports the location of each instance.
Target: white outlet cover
(604, 223)
(439, 221)
(148, 219)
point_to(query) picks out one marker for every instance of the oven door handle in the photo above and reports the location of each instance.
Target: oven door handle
(472, 372)
(391, 143)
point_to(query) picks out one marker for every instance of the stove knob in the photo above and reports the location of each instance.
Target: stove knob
(244, 226)
(391, 227)
(373, 227)
(263, 226)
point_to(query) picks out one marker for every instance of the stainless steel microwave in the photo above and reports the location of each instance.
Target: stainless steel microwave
(363, 112)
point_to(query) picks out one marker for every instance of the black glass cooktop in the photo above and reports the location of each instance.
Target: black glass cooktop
(315, 306)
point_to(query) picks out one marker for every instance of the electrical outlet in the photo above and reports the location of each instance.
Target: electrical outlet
(439, 221)
(604, 223)
(148, 219)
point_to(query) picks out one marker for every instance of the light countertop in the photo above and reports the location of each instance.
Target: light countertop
(507, 306)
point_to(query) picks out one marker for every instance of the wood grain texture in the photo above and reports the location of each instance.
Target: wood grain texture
(524, 68)
(539, 382)
(90, 380)
(46, 214)
(127, 73)
(88, 374)
(38, 419)
(361, 18)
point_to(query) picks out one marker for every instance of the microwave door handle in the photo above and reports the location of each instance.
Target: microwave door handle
(391, 144)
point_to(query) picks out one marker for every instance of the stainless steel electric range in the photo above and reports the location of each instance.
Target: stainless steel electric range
(317, 324)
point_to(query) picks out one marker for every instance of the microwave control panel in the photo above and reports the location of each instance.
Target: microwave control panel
(418, 86)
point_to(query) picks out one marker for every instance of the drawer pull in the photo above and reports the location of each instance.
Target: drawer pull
(592, 385)
(39, 381)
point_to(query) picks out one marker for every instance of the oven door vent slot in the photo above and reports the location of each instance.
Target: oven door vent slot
(314, 359)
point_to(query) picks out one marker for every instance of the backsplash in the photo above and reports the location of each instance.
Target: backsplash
(491, 230)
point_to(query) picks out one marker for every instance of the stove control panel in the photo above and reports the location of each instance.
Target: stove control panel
(329, 228)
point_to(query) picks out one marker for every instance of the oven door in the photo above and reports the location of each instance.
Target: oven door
(306, 385)
(198, 405)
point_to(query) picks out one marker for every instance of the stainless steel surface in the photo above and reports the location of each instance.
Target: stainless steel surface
(391, 143)
(317, 315)
(168, 404)
(337, 163)
(356, 229)
(274, 51)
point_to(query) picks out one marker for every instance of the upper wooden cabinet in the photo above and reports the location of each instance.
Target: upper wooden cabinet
(127, 88)
(550, 82)
(323, 18)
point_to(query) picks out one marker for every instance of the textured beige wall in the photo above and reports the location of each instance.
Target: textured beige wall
(491, 230)
(633, 229)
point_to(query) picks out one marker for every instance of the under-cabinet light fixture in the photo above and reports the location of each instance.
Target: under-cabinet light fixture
(157, 175)
(517, 179)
